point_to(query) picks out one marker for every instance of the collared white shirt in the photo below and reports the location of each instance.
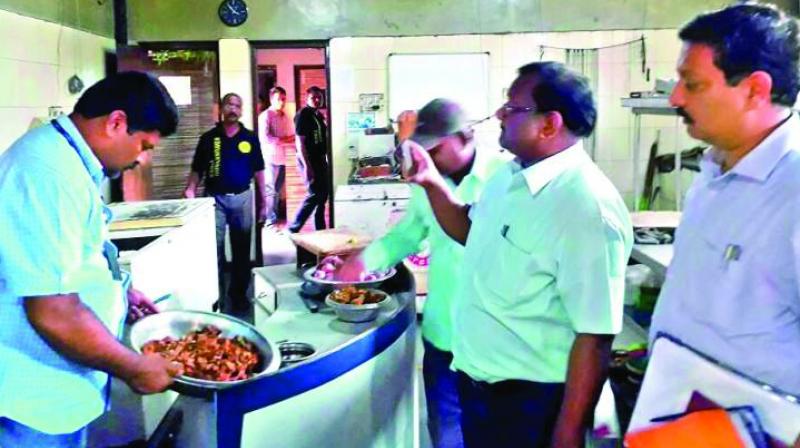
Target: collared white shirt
(52, 229)
(545, 259)
(732, 290)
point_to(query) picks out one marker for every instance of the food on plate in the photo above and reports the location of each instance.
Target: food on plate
(351, 295)
(205, 355)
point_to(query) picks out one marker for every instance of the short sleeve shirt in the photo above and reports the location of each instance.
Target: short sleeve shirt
(227, 163)
(52, 232)
(310, 124)
(544, 260)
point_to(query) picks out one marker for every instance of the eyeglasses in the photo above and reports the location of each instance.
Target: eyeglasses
(508, 109)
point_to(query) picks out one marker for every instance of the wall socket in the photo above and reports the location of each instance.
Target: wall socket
(54, 112)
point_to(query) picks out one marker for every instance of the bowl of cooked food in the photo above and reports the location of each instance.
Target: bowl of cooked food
(352, 304)
(215, 350)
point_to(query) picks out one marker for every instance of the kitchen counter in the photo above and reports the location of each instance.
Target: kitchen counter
(356, 391)
(656, 256)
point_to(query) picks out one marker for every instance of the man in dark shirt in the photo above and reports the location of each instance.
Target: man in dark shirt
(227, 158)
(311, 140)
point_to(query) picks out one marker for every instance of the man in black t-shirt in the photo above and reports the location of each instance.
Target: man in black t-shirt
(227, 158)
(311, 140)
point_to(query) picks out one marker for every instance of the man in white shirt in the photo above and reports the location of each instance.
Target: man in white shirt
(275, 130)
(732, 290)
(543, 267)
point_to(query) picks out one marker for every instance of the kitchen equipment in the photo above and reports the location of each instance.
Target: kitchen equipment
(357, 313)
(178, 323)
(294, 352)
(309, 276)
(370, 209)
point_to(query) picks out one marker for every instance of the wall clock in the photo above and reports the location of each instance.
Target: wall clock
(232, 12)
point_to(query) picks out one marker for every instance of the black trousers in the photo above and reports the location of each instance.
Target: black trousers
(314, 202)
(512, 413)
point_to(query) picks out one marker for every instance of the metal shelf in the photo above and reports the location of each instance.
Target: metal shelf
(650, 106)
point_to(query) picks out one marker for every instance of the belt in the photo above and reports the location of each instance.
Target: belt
(232, 194)
(507, 387)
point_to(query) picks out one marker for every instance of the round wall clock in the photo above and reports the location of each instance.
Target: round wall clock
(232, 12)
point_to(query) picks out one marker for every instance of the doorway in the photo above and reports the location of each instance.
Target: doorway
(294, 67)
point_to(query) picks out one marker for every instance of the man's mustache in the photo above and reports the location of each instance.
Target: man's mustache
(682, 112)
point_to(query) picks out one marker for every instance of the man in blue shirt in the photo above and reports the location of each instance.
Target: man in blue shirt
(733, 288)
(61, 300)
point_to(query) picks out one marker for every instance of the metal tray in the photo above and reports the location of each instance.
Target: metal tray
(308, 275)
(178, 323)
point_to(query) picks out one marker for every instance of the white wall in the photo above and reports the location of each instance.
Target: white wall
(358, 65)
(36, 59)
(235, 75)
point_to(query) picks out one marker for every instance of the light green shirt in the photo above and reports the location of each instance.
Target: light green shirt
(545, 259)
(444, 268)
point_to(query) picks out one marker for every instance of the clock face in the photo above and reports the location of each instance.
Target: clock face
(233, 12)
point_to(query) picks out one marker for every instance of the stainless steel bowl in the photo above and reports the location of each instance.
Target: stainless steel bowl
(179, 323)
(308, 275)
(357, 313)
(294, 352)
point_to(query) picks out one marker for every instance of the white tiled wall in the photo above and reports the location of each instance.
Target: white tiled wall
(36, 60)
(362, 63)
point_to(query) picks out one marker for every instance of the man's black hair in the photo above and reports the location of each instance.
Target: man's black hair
(229, 96)
(277, 89)
(750, 37)
(557, 88)
(314, 89)
(146, 103)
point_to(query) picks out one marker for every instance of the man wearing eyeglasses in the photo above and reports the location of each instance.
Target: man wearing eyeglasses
(544, 263)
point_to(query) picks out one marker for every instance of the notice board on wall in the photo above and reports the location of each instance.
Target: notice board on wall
(415, 79)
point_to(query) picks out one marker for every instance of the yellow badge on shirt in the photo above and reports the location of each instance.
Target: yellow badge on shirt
(244, 147)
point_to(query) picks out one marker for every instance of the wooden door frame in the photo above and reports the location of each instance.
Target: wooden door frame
(298, 95)
(323, 45)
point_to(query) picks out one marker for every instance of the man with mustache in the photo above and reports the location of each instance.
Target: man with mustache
(62, 306)
(228, 157)
(732, 290)
(546, 247)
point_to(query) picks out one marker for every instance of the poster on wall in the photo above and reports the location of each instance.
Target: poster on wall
(360, 120)
(370, 102)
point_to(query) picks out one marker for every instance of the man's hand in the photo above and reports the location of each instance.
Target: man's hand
(152, 374)
(189, 193)
(351, 268)
(406, 123)
(139, 305)
(422, 171)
